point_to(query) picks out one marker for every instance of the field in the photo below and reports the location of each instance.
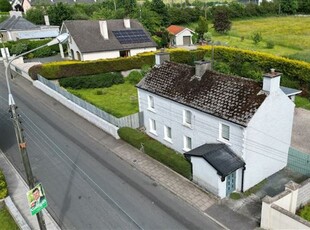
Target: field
(6, 220)
(289, 34)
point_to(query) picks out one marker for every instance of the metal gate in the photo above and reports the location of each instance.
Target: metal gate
(299, 161)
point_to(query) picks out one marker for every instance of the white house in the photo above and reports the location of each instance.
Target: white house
(16, 27)
(180, 36)
(92, 40)
(235, 131)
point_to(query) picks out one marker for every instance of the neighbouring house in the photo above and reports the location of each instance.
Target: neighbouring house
(279, 212)
(92, 40)
(234, 130)
(16, 27)
(180, 36)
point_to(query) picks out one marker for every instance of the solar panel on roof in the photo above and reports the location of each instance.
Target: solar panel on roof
(131, 36)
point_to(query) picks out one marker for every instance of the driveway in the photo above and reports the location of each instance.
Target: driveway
(301, 130)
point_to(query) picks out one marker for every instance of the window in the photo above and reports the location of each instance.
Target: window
(225, 132)
(151, 102)
(168, 134)
(187, 117)
(152, 126)
(187, 143)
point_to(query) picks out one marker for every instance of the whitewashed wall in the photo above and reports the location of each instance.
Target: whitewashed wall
(268, 137)
(179, 37)
(134, 52)
(100, 55)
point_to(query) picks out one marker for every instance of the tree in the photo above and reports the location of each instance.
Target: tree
(221, 21)
(289, 6)
(304, 6)
(5, 6)
(35, 15)
(160, 8)
(59, 13)
(202, 27)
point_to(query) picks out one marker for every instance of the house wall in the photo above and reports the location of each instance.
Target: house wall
(205, 128)
(100, 55)
(142, 50)
(267, 138)
(179, 37)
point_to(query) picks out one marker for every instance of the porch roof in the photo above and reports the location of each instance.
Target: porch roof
(219, 156)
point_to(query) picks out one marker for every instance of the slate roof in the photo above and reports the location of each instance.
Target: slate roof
(232, 98)
(219, 156)
(86, 34)
(17, 23)
(290, 91)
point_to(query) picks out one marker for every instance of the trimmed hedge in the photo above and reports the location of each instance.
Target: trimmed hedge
(296, 74)
(156, 150)
(92, 81)
(3, 186)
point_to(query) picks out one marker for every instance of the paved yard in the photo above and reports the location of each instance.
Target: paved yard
(301, 130)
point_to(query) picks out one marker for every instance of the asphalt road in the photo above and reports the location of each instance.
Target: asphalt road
(87, 185)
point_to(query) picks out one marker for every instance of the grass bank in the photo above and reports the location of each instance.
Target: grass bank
(6, 220)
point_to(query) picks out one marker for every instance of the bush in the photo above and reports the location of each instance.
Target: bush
(92, 81)
(257, 37)
(19, 48)
(156, 150)
(3, 186)
(269, 44)
(134, 77)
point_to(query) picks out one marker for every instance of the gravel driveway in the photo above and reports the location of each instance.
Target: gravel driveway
(301, 130)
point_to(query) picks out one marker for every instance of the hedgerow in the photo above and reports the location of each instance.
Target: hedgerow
(3, 186)
(156, 150)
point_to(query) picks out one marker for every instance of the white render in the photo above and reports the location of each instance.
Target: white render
(263, 144)
(178, 38)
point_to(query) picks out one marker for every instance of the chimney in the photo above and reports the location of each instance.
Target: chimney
(16, 13)
(46, 20)
(161, 57)
(127, 23)
(271, 81)
(201, 67)
(104, 29)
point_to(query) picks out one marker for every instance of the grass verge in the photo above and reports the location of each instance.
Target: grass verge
(304, 212)
(302, 102)
(6, 220)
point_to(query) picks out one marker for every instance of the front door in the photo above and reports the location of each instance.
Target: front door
(230, 183)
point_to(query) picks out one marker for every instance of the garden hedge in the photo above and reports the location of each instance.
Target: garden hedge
(156, 150)
(296, 74)
(3, 186)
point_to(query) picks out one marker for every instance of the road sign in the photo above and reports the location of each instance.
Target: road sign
(36, 199)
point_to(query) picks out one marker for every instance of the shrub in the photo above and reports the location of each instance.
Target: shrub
(92, 81)
(257, 37)
(134, 77)
(145, 69)
(3, 186)
(156, 150)
(269, 44)
(19, 48)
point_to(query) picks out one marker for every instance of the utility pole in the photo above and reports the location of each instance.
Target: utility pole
(23, 151)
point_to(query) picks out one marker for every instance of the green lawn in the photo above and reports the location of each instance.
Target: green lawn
(305, 212)
(119, 100)
(289, 34)
(302, 102)
(6, 220)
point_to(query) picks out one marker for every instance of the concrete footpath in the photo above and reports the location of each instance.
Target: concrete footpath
(17, 191)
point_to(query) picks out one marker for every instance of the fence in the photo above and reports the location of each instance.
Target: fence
(133, 121)
(299, 161)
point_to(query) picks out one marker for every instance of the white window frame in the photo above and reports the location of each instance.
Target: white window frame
(150, 103)
(166, 132)
(187, 118)
(221, 138)
(153, 126)
(186, 143)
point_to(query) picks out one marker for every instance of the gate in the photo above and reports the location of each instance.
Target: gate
(298, 161)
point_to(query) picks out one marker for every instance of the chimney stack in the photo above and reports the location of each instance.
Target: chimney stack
(16, 13)
(161, 57)
(271, 81)
(127, 23)
(46, 20)
(201, 67)
(104, 29)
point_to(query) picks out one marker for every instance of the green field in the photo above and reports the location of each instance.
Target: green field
(119, 100)
(289, 34)
(6, 220)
